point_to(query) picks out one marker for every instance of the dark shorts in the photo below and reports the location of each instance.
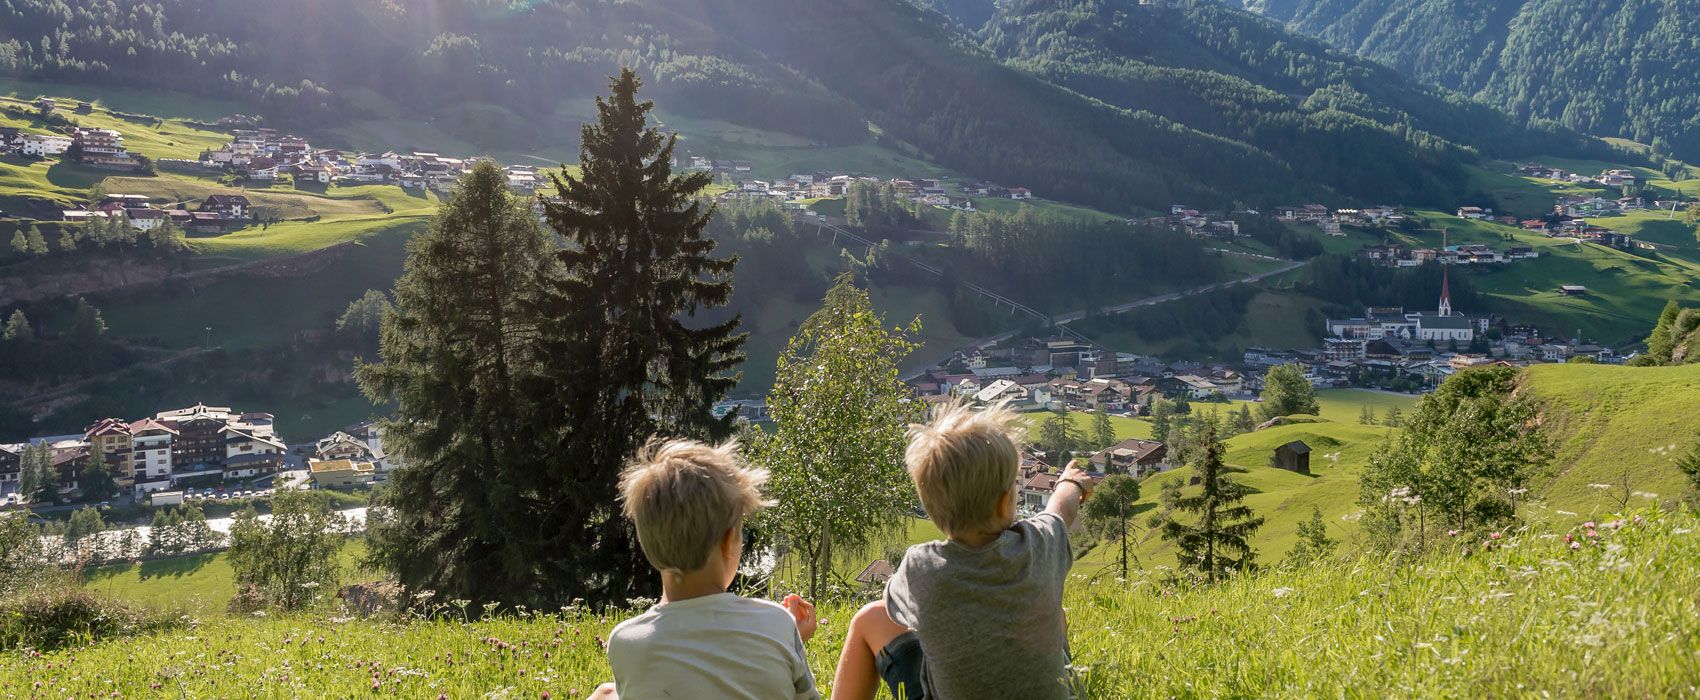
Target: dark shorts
(899, 665)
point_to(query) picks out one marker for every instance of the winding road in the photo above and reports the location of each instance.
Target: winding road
(1059, 321)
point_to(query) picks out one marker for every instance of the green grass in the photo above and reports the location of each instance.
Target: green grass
(1529, 618)
(1607, 423)
(161, 103)
(290, 203)
(1625, 291)
(170, 138)
(1340, 447)
(31, 183)
(291, 237)
(199, 584)
(178, 317)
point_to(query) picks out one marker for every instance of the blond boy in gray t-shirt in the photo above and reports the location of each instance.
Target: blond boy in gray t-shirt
(978, 615)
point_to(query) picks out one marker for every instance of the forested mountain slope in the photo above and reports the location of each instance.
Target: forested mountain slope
(1357, 125)
(1627, 68)
(1104, 103)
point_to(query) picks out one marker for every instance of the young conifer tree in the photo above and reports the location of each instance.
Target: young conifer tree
(460, 519)
(1217, 542)
(625, 356)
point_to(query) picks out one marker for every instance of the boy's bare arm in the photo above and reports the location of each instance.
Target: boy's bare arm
(1072, 489)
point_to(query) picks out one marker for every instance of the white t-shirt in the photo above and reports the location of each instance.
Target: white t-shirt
(718, 646)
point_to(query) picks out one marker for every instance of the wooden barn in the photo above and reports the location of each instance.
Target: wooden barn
(1293, 456)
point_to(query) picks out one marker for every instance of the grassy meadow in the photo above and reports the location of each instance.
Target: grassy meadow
(1527, 616)
(1625, 291)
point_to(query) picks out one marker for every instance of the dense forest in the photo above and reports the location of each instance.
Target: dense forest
(1627, 68)
(1350, 284)
(1347, 122)
(1061, 261)
(1101, 102)
(483, 70)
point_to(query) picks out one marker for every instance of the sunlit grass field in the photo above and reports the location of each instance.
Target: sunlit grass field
(1527, 617)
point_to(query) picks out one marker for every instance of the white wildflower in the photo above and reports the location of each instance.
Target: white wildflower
(1283, 592)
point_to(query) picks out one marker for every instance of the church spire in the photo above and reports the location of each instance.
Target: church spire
(1445, 294)
(1445, 282)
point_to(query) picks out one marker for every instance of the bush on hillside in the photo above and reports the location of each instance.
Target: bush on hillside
(58, 616)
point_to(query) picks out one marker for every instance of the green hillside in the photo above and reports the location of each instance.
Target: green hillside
(1350, 123)
(1623, 69)
(1612, 423)
(1608, 424)
(1235, 109)
(1625, 290)
(1528, 618)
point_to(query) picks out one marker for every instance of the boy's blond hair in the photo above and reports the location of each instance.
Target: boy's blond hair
(964, 462)
(684, 495)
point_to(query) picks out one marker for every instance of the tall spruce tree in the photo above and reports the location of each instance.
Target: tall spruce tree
(36, 244)
(455, 351)
(1217, 542)
(1103, 432)
(622, 359)
(96, 479)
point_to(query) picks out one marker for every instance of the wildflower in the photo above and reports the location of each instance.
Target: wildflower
(375, 683)
(1282, 592)
(1575, 546)
(1589, 525)
(546, 695)
(1592, 533)
(1494, 535)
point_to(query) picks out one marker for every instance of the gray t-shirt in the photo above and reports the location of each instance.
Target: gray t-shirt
(990, 620)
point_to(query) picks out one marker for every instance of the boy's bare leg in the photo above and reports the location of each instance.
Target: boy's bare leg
(604, 692)
(858, 678)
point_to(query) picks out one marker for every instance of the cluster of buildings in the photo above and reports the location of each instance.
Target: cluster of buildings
(100, 148)
(1616, 177)
(200, 442)
(1041, 374)
(823, 184)
(215, 214)
(1192, 222)
(1395, 255)
(264, 155)
(1332, 221)
(1391, 343)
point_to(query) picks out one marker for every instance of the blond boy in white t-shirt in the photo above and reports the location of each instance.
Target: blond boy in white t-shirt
(689, 501)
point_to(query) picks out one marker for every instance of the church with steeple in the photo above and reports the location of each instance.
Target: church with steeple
(1440, 326)
(1444, 325)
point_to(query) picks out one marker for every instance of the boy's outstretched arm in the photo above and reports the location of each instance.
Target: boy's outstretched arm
(1072, 489)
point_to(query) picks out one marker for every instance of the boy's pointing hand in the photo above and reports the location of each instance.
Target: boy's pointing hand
(804, 612)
